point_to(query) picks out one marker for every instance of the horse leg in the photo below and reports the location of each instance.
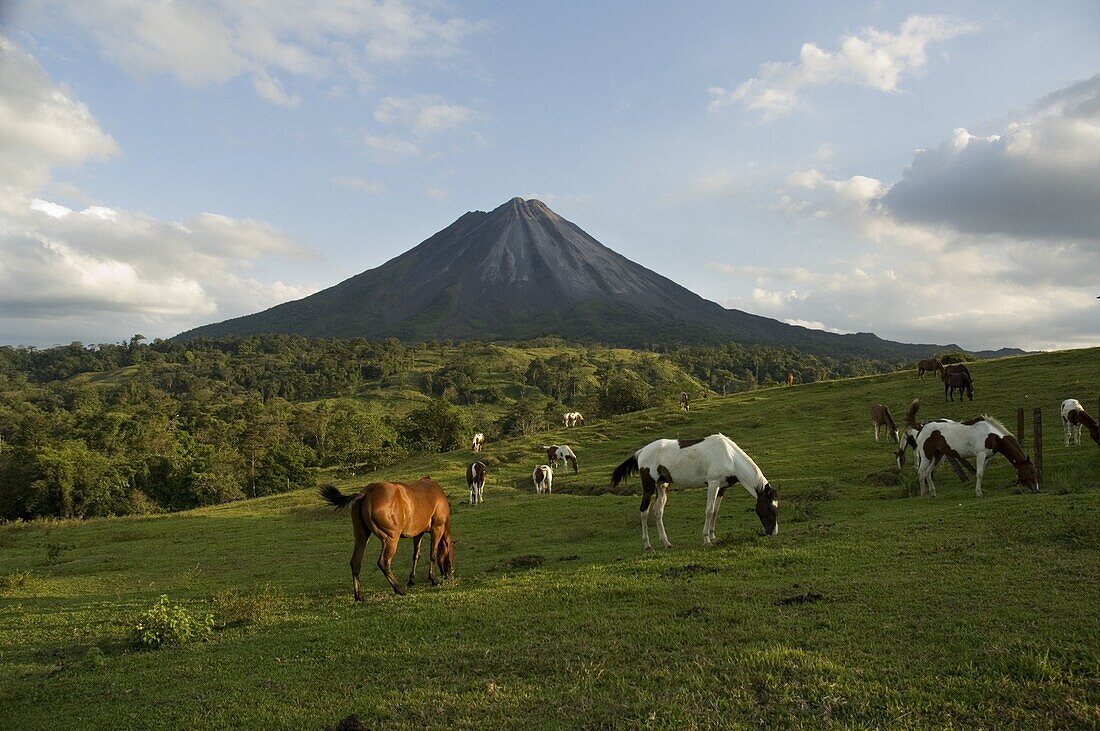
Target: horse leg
(714, 518)
(659, 514)
(433, 553)
(385, 561)
(708, 521)
(362, 535)
(979, 471)
(649, 487)
(416, 558)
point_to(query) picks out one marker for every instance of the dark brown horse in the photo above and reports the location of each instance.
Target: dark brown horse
(392, 510)
(929, 365)
(957, 381)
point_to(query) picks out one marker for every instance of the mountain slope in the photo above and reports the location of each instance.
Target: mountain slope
(523, 271)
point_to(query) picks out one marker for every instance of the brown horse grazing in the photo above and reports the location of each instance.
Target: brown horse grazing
(790, 378)
(957, 381)
(392, 510)
(683, 401)
(881, 417)
(929, 365)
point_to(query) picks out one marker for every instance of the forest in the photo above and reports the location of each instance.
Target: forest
(141, 427)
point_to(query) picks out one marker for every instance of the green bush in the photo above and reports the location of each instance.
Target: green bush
(956, 357)
(170, 624)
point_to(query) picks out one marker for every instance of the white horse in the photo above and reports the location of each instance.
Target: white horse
(475, 480)
(558, 453)
(981, 438)
(543, 477)
(1073, 418)
(479, 442)
(573, 418)
(715, 462)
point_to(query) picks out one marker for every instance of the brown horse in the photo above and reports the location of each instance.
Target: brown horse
(683, 401)
(392, 510)
(881, 417)
(790, 378)
(958, 381)
(929, 365)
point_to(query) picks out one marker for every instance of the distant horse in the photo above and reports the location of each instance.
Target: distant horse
(1073, 418)
(790, 378)
(881, 417)
(957, 381)
(543, 477)
(929, 365)
(479, 442)
(392, 510)
(714, 461)
(981, 438)
(475, 480)
(573, 418)
(556, 454)
(683, 401)
(957, 368)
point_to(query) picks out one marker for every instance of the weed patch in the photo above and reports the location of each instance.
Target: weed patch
(688, 571)
(518, 563)
(167, 624)
(256, 607)
(807, 598)
(16, 580)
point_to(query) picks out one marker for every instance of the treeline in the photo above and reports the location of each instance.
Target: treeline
(139, 427)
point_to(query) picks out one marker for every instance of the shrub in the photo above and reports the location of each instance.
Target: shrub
(170, 624)
(15, 580)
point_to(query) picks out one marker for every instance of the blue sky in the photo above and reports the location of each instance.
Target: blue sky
(925, 171)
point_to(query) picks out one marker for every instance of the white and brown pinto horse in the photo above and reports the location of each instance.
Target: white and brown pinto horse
(684, 406)
(475, 480)
(1073, 418)
(479, 442)
(573, 418)
(881, 417)
(558, 453)
(716, 462)
(543, 477)
(982, 438)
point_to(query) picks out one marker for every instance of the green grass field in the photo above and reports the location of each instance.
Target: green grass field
(872, 608)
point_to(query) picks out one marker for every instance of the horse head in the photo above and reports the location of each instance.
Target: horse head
(767, 509)
(446, 554)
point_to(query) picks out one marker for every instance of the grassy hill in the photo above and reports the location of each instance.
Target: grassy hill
(872, 608)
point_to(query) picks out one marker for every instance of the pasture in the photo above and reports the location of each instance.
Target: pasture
(871, 608)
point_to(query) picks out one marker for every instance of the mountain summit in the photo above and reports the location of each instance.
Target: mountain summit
(523, 271)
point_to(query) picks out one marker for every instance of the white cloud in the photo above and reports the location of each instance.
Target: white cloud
(872, 58)
(1036, 179)
(367, 186)
(388, 149)
(269, 41)
(977, 273)
(41, 124)
(104, 272)
(424, 114)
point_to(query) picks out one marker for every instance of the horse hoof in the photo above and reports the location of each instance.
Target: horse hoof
(411, 584)
(398, 591)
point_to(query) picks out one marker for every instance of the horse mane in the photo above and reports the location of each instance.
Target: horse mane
(997, 425)
(911, 414)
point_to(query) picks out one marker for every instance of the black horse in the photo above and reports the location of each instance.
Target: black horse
(957, 381)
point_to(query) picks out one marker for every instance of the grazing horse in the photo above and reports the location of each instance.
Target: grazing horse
(929, 365)
(683, 401)
(572, 418)
(714, 461)
(543, 477)
(1073, 418)
(558, 453)
(790, 378)
(392, 510)
(982, 438)
(957, 368)
(479, 442)
(881, 417)
(957, 381)
(475, 480)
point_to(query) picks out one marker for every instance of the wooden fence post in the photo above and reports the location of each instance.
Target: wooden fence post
(1020, 424)
(1037, 435)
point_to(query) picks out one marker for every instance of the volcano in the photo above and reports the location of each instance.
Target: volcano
(522, 271)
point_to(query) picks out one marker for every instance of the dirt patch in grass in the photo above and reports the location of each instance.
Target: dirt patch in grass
(884, 478)
(518, 563)
(351, 723)
(688, 571)
(570, 557)
(692, 611)
(808, 597)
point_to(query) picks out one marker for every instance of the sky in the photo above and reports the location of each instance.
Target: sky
(929, 171)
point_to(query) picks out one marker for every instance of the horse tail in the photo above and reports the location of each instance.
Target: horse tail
(625, 470)
(332, 495)
(911, 414)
